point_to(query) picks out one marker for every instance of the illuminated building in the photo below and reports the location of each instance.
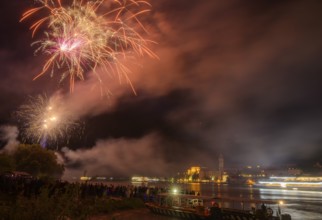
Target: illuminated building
(195, 174)
(144, 179)
(203, 174)
(283, 171)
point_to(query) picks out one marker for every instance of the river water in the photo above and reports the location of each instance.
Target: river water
(301, 203)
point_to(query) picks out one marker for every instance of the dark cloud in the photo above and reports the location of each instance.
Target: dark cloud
(234, 77)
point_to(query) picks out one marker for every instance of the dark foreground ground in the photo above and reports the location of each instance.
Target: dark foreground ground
(136, 214)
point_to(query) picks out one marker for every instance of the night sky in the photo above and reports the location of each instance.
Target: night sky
(234, 77)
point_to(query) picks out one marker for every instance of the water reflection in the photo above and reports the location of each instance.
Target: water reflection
(290, 194)
(300, 203)
(196, 187)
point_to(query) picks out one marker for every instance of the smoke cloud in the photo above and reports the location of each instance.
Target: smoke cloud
(9, 135)
(121, 157)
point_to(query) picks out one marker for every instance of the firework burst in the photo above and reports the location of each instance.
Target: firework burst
(85, 35)
(45, 120)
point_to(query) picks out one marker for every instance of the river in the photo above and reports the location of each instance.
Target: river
(301, 204)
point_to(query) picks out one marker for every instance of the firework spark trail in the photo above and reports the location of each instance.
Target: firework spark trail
(44, 119)
(83, 36)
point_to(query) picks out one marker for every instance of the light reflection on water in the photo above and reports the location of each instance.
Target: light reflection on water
(301, 204)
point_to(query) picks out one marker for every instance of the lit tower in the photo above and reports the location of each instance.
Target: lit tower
(220, 166)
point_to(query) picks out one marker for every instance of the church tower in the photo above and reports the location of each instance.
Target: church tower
(221, 166)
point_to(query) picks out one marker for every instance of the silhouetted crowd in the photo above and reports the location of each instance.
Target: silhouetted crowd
(32, 187)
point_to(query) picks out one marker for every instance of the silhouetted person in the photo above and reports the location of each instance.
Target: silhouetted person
(215, 212)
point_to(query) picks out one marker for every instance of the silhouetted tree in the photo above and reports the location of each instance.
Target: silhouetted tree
(6, 163)
(37, 161)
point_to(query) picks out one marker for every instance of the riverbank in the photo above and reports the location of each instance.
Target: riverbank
(22, 198)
